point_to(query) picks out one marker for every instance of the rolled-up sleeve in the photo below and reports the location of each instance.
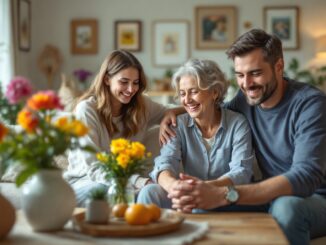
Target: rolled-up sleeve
(242, 158)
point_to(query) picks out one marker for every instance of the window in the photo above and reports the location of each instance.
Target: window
(6, 45)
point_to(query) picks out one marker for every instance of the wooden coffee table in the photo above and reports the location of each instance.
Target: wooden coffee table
(225, 228)
(240, 228)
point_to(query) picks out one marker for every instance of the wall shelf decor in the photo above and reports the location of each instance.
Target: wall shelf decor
(170, 45)
(83, 34)
(24, 25)
(128, 35)
(216, 26)
(283, 21)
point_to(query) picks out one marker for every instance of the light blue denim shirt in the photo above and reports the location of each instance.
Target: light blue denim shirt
(231, 154)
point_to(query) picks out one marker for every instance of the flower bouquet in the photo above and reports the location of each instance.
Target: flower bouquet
(43, 136)
(126, 158)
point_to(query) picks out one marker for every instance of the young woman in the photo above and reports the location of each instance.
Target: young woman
(113, 107)
(212, 146)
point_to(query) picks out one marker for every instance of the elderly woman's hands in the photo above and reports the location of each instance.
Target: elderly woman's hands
(199, 196)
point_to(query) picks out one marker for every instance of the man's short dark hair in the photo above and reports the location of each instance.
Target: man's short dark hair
(270, 45)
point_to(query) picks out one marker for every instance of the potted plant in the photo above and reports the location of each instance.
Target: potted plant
(316, 76)
(43, 137)
(97, 207)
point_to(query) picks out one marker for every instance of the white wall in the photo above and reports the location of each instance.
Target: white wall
(51, 25)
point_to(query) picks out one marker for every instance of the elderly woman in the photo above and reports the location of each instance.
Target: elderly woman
(212, 146)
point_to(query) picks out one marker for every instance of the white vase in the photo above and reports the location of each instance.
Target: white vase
(97, 211)
(48, 201)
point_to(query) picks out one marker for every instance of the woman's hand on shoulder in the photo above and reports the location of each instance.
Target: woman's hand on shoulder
(166, 132)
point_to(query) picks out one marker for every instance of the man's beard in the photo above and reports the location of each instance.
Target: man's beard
(267, 91)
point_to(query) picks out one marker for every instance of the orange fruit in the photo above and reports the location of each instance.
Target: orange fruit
(155, 212)
(137, 214)
(119, 210)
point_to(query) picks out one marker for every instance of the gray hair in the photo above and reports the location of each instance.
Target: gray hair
(207, 74)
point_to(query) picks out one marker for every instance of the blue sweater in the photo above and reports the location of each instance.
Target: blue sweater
(290, 138)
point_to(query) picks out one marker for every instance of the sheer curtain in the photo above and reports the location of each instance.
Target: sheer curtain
(6, 43)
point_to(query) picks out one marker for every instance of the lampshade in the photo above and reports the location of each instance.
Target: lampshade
(321, 46)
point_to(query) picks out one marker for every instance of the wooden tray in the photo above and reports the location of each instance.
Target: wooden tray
(169, 221)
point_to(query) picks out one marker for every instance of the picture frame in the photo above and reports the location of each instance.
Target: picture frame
(24, 25)
(83, 36)
(283, 21)
(128, 35)
(216, 26)
(170, 45)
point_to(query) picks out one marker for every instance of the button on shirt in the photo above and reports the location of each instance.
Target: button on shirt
(231, 153)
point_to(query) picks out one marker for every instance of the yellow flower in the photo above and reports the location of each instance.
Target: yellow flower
(119, 145)
(123, 160)
(137, 150)
(102, 157)
(61, 123)
(79, 129)
(3, 131)
(74, 127)
(27, 120)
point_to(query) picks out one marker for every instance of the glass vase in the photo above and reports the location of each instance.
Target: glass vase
(121, 191)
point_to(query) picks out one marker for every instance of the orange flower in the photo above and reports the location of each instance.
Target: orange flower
(44, 100)
(27, 120)
(3, 131)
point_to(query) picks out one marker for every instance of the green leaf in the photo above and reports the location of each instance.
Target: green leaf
(24, 175)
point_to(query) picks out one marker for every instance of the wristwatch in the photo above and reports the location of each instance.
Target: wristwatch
(232, 195)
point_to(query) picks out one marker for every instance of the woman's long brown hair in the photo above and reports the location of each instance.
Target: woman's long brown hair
(133, 113)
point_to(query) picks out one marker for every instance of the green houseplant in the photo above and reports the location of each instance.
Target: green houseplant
(314, 76)
(97, 207)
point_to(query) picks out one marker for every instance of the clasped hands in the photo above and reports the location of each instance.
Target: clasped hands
(188, 192)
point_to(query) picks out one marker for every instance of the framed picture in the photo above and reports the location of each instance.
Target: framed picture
(170, 42)
(24, 25)
(284, 23)
(216, 27)
(128, 35)
(83, 34)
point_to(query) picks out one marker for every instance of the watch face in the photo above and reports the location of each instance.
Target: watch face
(232, 195)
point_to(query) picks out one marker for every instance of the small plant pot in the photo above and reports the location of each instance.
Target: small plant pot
(97, 212)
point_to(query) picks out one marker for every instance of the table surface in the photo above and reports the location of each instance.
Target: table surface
(224, 228)
(240, 228)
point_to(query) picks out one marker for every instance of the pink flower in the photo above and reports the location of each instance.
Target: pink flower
(18, 89)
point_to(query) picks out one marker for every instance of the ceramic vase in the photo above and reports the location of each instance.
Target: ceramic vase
(48, 201)
(120, 191)
(8, 216)
(97, 211)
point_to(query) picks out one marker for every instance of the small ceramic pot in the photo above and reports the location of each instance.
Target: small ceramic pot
(97, 212)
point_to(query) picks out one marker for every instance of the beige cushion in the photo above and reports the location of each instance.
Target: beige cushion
(68, 92)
